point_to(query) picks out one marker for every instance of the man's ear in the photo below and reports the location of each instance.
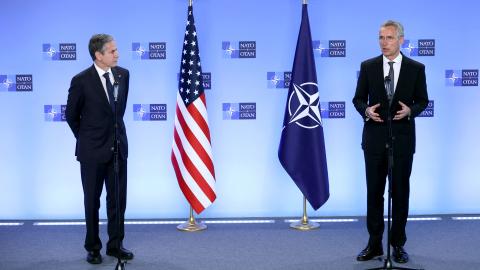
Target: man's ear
(98, 55)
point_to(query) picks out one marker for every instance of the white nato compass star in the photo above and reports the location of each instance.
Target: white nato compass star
(141, 112)
(52, 113)
(230, 50)
(140, 50)
(307, 106)
(51, 51)
(410, 47)
(454, 77)
(230, 111)
(7, 83)
(275, 80)
(320, 48)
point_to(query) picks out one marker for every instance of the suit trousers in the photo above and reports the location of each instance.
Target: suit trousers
(376, 167)
(94, 175)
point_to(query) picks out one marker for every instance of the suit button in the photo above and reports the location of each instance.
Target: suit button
(111, 148)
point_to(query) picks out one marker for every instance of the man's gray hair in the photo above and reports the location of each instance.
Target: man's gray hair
(97, 44)
(398, 26)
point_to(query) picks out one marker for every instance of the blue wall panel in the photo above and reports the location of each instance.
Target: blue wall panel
(40, 178)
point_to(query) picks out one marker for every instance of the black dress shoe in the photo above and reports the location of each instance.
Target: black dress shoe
(399, 254)
(123, 253)
(94, 257)
(369, 253)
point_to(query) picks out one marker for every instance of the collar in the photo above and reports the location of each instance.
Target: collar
(101, 71)
(397, 59)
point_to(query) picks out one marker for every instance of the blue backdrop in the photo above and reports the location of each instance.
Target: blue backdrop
(40, 178)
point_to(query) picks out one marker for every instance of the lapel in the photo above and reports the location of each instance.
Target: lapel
(403, 76)
(379, 76)
(98, 86)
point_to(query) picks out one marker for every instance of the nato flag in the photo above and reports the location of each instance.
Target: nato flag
(302, 146)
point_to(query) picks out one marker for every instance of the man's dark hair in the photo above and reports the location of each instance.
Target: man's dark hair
(97, 44)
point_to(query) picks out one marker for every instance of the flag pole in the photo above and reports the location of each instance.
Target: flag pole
(191, 225)
(304, 224)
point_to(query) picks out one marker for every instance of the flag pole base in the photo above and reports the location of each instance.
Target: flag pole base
(304, 226)
(191, 225)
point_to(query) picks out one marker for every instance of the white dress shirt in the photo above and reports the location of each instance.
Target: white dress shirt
(396, 68)
(104, 82)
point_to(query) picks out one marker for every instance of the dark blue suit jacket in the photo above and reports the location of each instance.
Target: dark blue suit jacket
(411, 89)
(91, 118)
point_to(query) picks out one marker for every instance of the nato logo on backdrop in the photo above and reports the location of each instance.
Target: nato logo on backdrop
(149, 112)
(59, 51)
(16, 83)
(206, 78)
(428, 112)
(279, 79)
(239, 49)
(332, 109)
(419, 47)
(329, 48)
(149, 50)
(54, 113)
(461, 77)
(239, 111)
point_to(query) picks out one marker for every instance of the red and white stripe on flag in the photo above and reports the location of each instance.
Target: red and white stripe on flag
(192, 153)
(192, 149)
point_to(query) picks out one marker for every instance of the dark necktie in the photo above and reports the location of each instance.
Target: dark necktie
(109, 90)
(391, 85)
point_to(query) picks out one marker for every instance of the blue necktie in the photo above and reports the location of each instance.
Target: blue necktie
(109, 90)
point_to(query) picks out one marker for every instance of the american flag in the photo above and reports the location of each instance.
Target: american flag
(192, 150)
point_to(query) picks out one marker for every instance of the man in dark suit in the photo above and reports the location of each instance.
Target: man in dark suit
(391, 83)
(90, 114)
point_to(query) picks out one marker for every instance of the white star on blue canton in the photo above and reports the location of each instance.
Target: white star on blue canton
(190, 82)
